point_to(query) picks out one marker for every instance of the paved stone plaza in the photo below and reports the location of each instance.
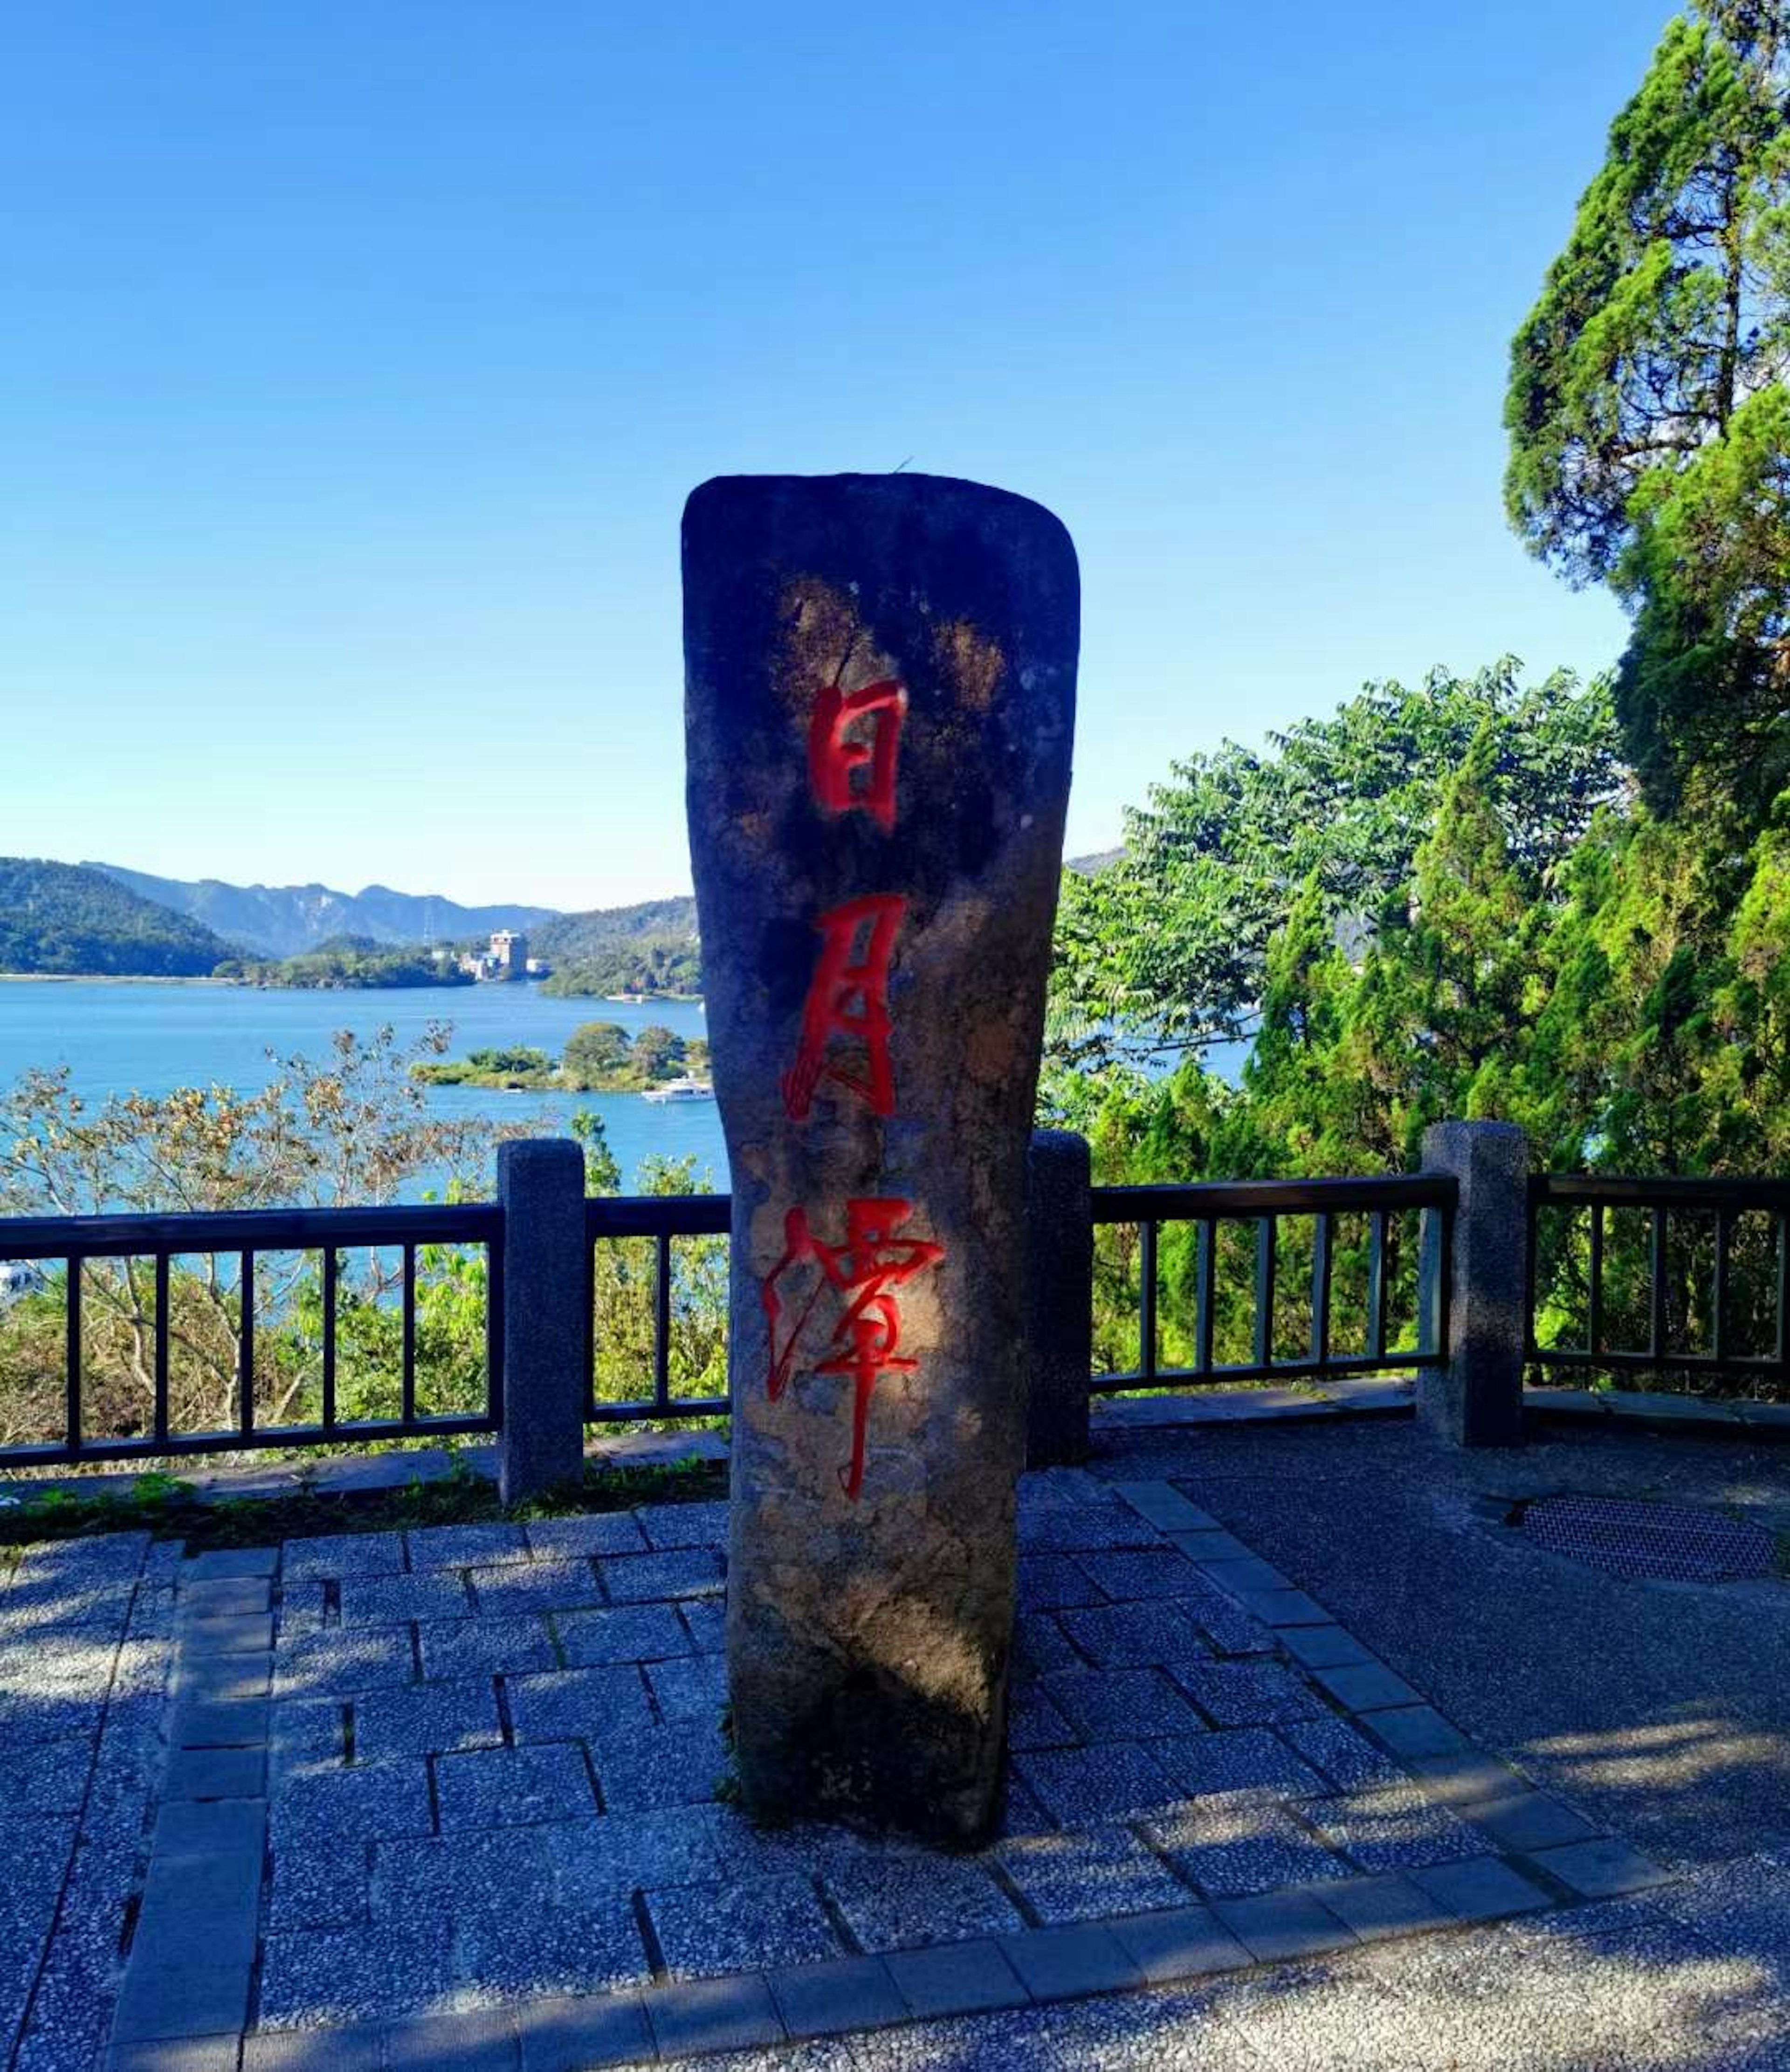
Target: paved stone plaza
(456, 1798)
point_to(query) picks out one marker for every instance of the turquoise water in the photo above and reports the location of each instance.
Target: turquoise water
(151, 1037)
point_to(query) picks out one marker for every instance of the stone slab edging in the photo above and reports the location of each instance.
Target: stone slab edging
(188, 1992)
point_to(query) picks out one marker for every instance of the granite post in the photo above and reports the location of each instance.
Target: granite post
(879, 675)
(541, 1184)
(1475, 1398)
(1059, 1232)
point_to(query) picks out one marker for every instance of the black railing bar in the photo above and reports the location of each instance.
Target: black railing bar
(677, 1406)
(1321, 1290)
(251, 1229)
(1674, 1191)
(1250, 1199)
(331, 1267)
(662, 1319)
(1377, 1278)
(72, 1417)
(1690, 1362)
(1265, 1233)
(1340, 1366)
(1532, 1220)
(260, 1440)
(652, 1215)
(1781, 1339)
(1594, 1294)
(162, 1322)
(245, 1345)
(1656, 1284)
(406, 1356)
(1146, 1296)
(494, 1335)
(1205, 1293)
(1718, 1293)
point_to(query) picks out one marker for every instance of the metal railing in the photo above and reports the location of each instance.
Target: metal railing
(246, 1237)
(611, 1218)
(1672, 1275)
(1265, 1204)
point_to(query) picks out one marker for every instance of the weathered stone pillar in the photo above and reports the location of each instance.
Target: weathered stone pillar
(540, 1183)
(881, 688)
(1059, 1235)
(1475, 1398)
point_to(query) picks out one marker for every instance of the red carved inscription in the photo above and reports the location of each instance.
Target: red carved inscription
(838, 749)
(848, 1003)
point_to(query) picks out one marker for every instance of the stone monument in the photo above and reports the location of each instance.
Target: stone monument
(880, 681)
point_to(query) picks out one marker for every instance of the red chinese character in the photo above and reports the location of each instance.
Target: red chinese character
(836, 753)
(848, 999)
(866, 1269)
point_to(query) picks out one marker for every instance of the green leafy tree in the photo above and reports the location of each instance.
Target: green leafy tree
(658, 1053)
(597, 1052)
(1649, 416)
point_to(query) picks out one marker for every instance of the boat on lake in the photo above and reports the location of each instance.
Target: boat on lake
(685, 1089)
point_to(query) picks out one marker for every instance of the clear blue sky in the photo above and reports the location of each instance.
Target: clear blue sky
(358, 358)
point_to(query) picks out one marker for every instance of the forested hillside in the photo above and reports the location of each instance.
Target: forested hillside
(62, 919)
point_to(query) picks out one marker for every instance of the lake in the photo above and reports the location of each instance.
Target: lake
(150, 1036)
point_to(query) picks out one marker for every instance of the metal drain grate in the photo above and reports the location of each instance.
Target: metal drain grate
(1664, 1540)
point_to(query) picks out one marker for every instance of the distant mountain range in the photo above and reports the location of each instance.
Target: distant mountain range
(63, 919)
(281, 920)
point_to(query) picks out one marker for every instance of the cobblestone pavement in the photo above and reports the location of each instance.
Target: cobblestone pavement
(452, 1798)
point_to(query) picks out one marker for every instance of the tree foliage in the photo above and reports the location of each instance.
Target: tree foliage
(1648, 411)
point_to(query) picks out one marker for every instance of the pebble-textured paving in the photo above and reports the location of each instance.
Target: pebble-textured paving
(463, 1794)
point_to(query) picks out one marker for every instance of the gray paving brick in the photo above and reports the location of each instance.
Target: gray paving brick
(221, 1679)
(1229, 1848)
(681, 1763)
(1133, 1636)
(1528, 1820)
(1033, 1722)
(1414, 1730)
(1287, 1611)
(375, 1973)
(1599, 1868)
(1041, 1645)
(638, 1579)
(1322, 1646)
(1064, 1963)
(1388, 1827)
(1120, 1704)
(218, 1827)
(429, 1719)
(1230, 1629)
(577, 1539)
(1342, 1754)
(51, 1777)
(1274, 1926)
(956, 1978)
(1242, 1762)
(1212, 1544)
(318, 1884)
(802, 1849)
(229, 1881)
(577, 2035)
(1128, 1575)
(580, 1705)
(230, 1632)
(1054, 1582)
(1119, 1780)
(850, 1992)
(677, 1525)
(1481, 1888)
(373, 1802)
(689, 1687)
(202, 1596)
(630, 1633)
(1248, 1694)
(185, 2054)
(706, 1930)
(306, 1733)
(472, 1647)
(1388, 1903)
(1366, 1686)
(396, 1600)
(360, 2050)
(1095, 1527)
(1179, 1943)
(180, 2000)
(333, 1555)
(900, 1902)
(512, 1787)
(537, 1586)
(1087, 1874)
(650, 1851)
(169, 1931)
(228, 1773)
(713, 2014)
(341, 1665)
(465, 1545)
(706, 1619)
(474, 2040)
(1162, 1505)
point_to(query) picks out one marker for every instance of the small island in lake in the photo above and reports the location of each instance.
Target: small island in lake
(599, 1057)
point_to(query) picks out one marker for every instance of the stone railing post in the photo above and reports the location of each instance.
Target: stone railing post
(1475, 1397)
(541, 1183)
(1059, 1235)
